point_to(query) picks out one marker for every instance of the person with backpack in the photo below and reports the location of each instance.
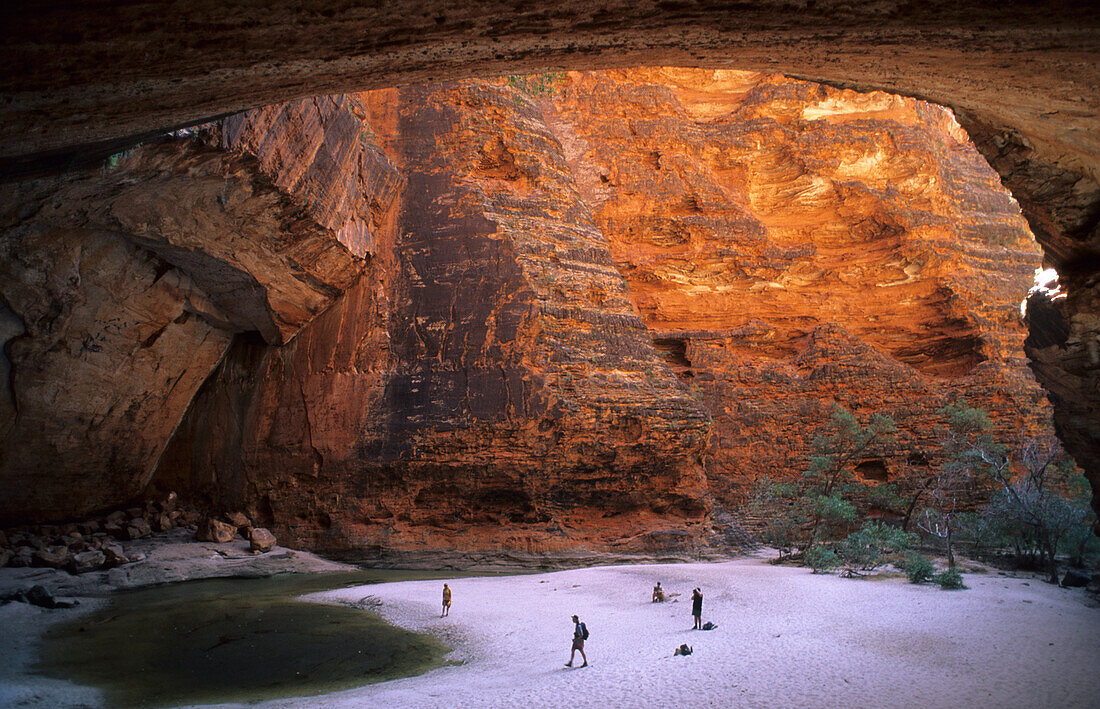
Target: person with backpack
(446, 600)
(580, 634)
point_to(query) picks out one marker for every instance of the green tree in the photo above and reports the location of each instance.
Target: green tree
(842, 444)
(1046, 502)
(971, 450)
(799, 515)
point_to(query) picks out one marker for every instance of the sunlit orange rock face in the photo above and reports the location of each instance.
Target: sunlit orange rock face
(486, 385)
(791, 245)
(457, 316)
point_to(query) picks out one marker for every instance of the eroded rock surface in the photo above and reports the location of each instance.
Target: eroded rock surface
(485, 386)
(123, 287)
(792, 245)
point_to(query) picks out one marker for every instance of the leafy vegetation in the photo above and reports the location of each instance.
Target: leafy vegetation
(867, 548)
(918, 568)
(950, 580)
(1040, 502)
(542, 85)
(820, 559)
(818, 506)
(1039, 507)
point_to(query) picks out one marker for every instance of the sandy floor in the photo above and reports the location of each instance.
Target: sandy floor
(786, 638)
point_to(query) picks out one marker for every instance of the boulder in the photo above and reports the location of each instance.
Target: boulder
(6, 555)
(138, 528)
(163, 522)
(240, 521)
(51, 557)
(261, 540)
(1076, 578)
(114, 555)
(212, 530)
(41, 597)
(24, 556)
(87, 561)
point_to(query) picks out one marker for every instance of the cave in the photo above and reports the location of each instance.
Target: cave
(674, 352)
(76, 97)
(874, 470)
(421, 314)
(432, 285)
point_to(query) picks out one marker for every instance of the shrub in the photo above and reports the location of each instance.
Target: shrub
(864, 549)
(538, 85)
(918, 568)
(950, 580)
(821, 559)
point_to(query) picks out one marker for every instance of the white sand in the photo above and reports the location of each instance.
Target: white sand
(786, 638)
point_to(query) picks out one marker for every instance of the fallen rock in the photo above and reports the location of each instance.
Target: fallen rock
(211, 530)
(87, 561)
(163, 522)
(23, 557)
(39, 596)
(51, 557)
(138, 528)
(238, 520)
(1076, 579)
(261, 540)
(6, 555)
(114, 555)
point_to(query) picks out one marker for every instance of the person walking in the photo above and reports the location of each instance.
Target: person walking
(580, 634)
(697, 608)
(446, 601)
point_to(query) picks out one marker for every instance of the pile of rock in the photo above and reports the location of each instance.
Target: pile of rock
(95, 543)
(212, 529)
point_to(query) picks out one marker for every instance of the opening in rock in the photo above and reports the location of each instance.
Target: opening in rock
(873, 470)
(674, 352)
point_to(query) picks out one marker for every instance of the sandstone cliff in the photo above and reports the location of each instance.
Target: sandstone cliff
(461, 316)
(123, 288)
(485, 386)
(792, 245)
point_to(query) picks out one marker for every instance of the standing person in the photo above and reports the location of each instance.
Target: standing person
(446, 600)
(697, 608)
(658, 593)
(580, 634)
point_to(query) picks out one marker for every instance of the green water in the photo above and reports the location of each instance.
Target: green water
(236, 640)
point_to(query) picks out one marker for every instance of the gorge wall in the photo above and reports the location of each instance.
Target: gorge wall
(80, 83)
(791, 246)
(462, 316)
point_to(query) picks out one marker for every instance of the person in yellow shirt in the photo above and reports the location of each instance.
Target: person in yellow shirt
(446, 600)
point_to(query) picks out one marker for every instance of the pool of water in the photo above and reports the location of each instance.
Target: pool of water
(236, 640)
